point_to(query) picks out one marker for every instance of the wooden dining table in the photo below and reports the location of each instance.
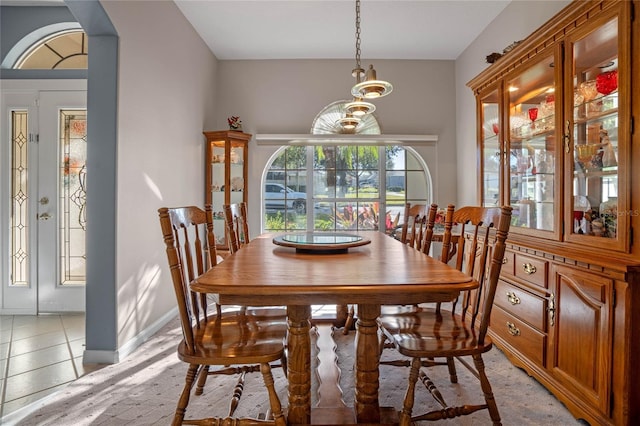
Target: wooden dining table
(382, 272)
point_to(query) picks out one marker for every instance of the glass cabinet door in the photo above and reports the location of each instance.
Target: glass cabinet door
(218, 182)
(591, 135)
(236, 173)
(492, 150)
(532, 155)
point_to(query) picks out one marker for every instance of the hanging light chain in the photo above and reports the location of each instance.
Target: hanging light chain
(358, 34)
(358, 72)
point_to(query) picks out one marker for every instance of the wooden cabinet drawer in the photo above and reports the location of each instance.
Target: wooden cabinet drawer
(520, 336)
(508, 263)
(522, 304)
(531, 269)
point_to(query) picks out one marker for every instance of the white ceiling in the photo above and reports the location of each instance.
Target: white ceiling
(325, 29)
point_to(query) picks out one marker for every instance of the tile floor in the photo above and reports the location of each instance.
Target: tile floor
(39, 355)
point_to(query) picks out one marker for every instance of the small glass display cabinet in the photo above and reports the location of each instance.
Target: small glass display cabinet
(225, 175)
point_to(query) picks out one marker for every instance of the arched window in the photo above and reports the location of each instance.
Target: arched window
(342, 187)
(63, 50)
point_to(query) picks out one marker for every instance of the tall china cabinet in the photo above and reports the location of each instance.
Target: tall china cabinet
(225, 175)
(557, 142)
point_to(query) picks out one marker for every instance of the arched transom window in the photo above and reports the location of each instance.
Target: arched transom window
(63, 50)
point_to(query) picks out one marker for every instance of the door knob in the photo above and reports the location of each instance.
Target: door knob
(44, 200)
(44, 216)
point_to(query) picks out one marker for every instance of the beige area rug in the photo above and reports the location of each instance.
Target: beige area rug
(143, 390)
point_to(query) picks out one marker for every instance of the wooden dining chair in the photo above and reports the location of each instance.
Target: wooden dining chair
(238, 341)
(236, 226)
(431, 334)
(414, 220)
(237, 231)
(426, 231)
(422, 228)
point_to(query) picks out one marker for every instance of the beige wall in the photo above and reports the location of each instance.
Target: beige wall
(167, 95)
(284, 96)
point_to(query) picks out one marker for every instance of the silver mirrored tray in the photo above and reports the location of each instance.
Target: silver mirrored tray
(320, 242)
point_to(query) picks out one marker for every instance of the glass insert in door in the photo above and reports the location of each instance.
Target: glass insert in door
(19, 241)
(595, 133)
(73, 192)
(532, 154)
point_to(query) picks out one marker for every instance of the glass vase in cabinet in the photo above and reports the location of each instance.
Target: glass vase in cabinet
(225, 175)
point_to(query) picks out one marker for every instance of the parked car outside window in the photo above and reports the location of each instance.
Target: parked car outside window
(279, 197)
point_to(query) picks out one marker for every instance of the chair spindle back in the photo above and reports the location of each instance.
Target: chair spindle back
(236, 227)
(483, 231)
(191, 251)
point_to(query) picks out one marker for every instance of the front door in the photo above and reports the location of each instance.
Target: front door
(43, 202)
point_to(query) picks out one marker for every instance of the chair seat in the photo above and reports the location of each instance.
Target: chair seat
(255, 336)
(427, 333)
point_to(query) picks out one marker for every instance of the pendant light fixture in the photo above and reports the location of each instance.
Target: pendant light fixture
(349, 123)
(358, 107)
(371, 87)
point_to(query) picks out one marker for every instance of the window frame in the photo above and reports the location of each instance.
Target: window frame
(381, 199)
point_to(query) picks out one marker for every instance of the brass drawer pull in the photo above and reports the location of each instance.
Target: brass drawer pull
(513, 330)
(552, 309)
(505, 260)
(512, 298)
(528, 268)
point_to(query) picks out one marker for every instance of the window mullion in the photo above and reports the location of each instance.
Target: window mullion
(382, 189)
(310, 190)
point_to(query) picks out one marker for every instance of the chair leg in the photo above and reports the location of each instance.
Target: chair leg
(349, 322)
(407, 407)
(453, 375)
(202, 379)
(274, 401)
(237, 394)
(181, 409)
(342, 312)
(381, 341)
(284, 362)
(486, 389)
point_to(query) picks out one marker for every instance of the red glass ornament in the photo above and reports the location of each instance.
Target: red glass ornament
(607, 82)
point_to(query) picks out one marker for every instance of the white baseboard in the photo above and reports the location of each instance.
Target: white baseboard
(114, 357)
(100, 357)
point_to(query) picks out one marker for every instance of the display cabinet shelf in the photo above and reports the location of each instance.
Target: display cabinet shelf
(528, 134)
